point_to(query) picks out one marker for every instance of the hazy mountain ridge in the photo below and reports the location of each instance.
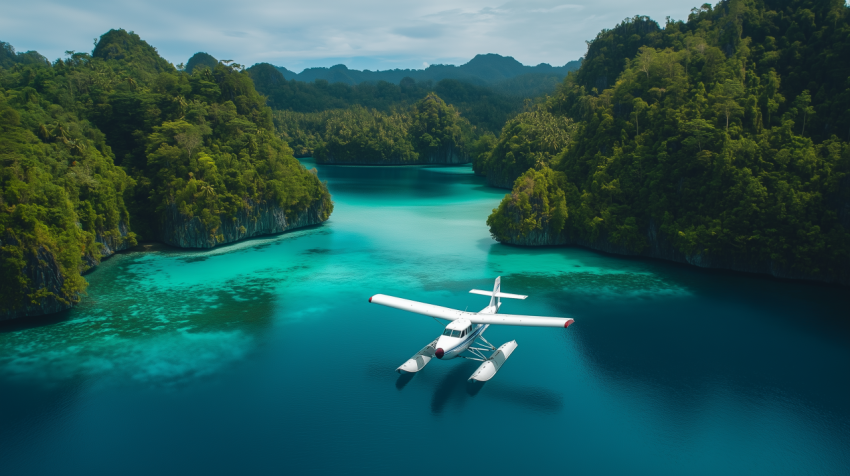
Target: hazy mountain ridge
(482, 69)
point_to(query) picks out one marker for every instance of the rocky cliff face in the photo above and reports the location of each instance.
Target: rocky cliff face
(109, 245)
(446, 156)
(255, 219)
(42, 272)
(662, 248)
(45, 279)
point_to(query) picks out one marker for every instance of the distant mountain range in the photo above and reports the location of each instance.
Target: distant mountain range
(483, 69)
(501, 74)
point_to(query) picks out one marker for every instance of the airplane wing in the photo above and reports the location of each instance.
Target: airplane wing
(517, 320)
(451, 314)
(420, 307)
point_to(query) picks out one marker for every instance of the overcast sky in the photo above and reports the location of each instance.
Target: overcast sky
(364, 34)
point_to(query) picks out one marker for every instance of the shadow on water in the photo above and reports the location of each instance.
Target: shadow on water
(403, 380)
(750, 335)
(473, 387)
(24, 323)
(452, 388)
(456, 389)
(534, 398)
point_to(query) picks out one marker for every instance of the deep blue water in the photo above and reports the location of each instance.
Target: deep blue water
(265, 356)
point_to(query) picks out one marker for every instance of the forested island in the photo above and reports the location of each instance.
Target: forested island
(101, 150)
(413, 122)
(720, 141)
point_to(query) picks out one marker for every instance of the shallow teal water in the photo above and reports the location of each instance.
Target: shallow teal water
(265, 356)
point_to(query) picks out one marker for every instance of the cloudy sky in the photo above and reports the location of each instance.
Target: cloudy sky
(363, 34)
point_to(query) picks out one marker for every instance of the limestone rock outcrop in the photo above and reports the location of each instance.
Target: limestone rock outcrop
(42, 272)
(255, 219)
(661, 248)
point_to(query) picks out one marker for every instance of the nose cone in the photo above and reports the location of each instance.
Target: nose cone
(439, 353)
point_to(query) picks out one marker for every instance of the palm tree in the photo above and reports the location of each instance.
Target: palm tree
(207, 191)
(181, 105)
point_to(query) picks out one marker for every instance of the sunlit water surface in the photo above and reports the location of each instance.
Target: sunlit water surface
(265, 356)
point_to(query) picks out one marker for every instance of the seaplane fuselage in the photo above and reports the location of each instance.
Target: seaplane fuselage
(457, 337)
(460, 334)
(465, 329)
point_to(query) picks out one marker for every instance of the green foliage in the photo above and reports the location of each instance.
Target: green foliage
(82, 137)
(134, 56)
(537, 203)
(60, 193)
(200, 59)
(359, 135)
(429, 128)
(725, 136)
(436, 127)
(486, 108)
(8, 57)
(603, 62)
(529, 140)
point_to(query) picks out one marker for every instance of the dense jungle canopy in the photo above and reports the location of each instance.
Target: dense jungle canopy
(96, 147)
(725, 135)
(302, 109)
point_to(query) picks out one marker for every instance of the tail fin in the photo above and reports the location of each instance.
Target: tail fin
(494, 301)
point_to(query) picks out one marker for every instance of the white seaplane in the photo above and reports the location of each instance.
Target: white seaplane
(463, 330)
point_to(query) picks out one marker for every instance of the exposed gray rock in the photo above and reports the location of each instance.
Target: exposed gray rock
(255, 219)
(42, 272)
(109, 245)
(662, 248)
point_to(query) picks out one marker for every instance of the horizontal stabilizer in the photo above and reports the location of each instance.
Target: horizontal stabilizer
(498, 294)
(488, 369)
(420, 360)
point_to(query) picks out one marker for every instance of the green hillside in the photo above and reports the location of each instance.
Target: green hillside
(485, 107)
(98, 149)
(722, 139)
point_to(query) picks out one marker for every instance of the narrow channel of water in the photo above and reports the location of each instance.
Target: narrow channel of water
(265, 356)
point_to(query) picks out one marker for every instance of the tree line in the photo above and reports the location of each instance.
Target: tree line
(725, 135)
(97, 148)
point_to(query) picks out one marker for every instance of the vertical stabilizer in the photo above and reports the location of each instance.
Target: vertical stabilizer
(494, 301)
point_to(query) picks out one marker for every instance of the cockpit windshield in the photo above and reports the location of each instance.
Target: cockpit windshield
(451, 333)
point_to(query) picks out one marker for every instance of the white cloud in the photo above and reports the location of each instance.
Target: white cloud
(374, 34)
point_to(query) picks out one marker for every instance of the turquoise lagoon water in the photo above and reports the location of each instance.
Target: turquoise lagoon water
(265, 356)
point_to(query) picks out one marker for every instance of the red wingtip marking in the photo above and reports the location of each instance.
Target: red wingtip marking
(370, 299)
(567, 324)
